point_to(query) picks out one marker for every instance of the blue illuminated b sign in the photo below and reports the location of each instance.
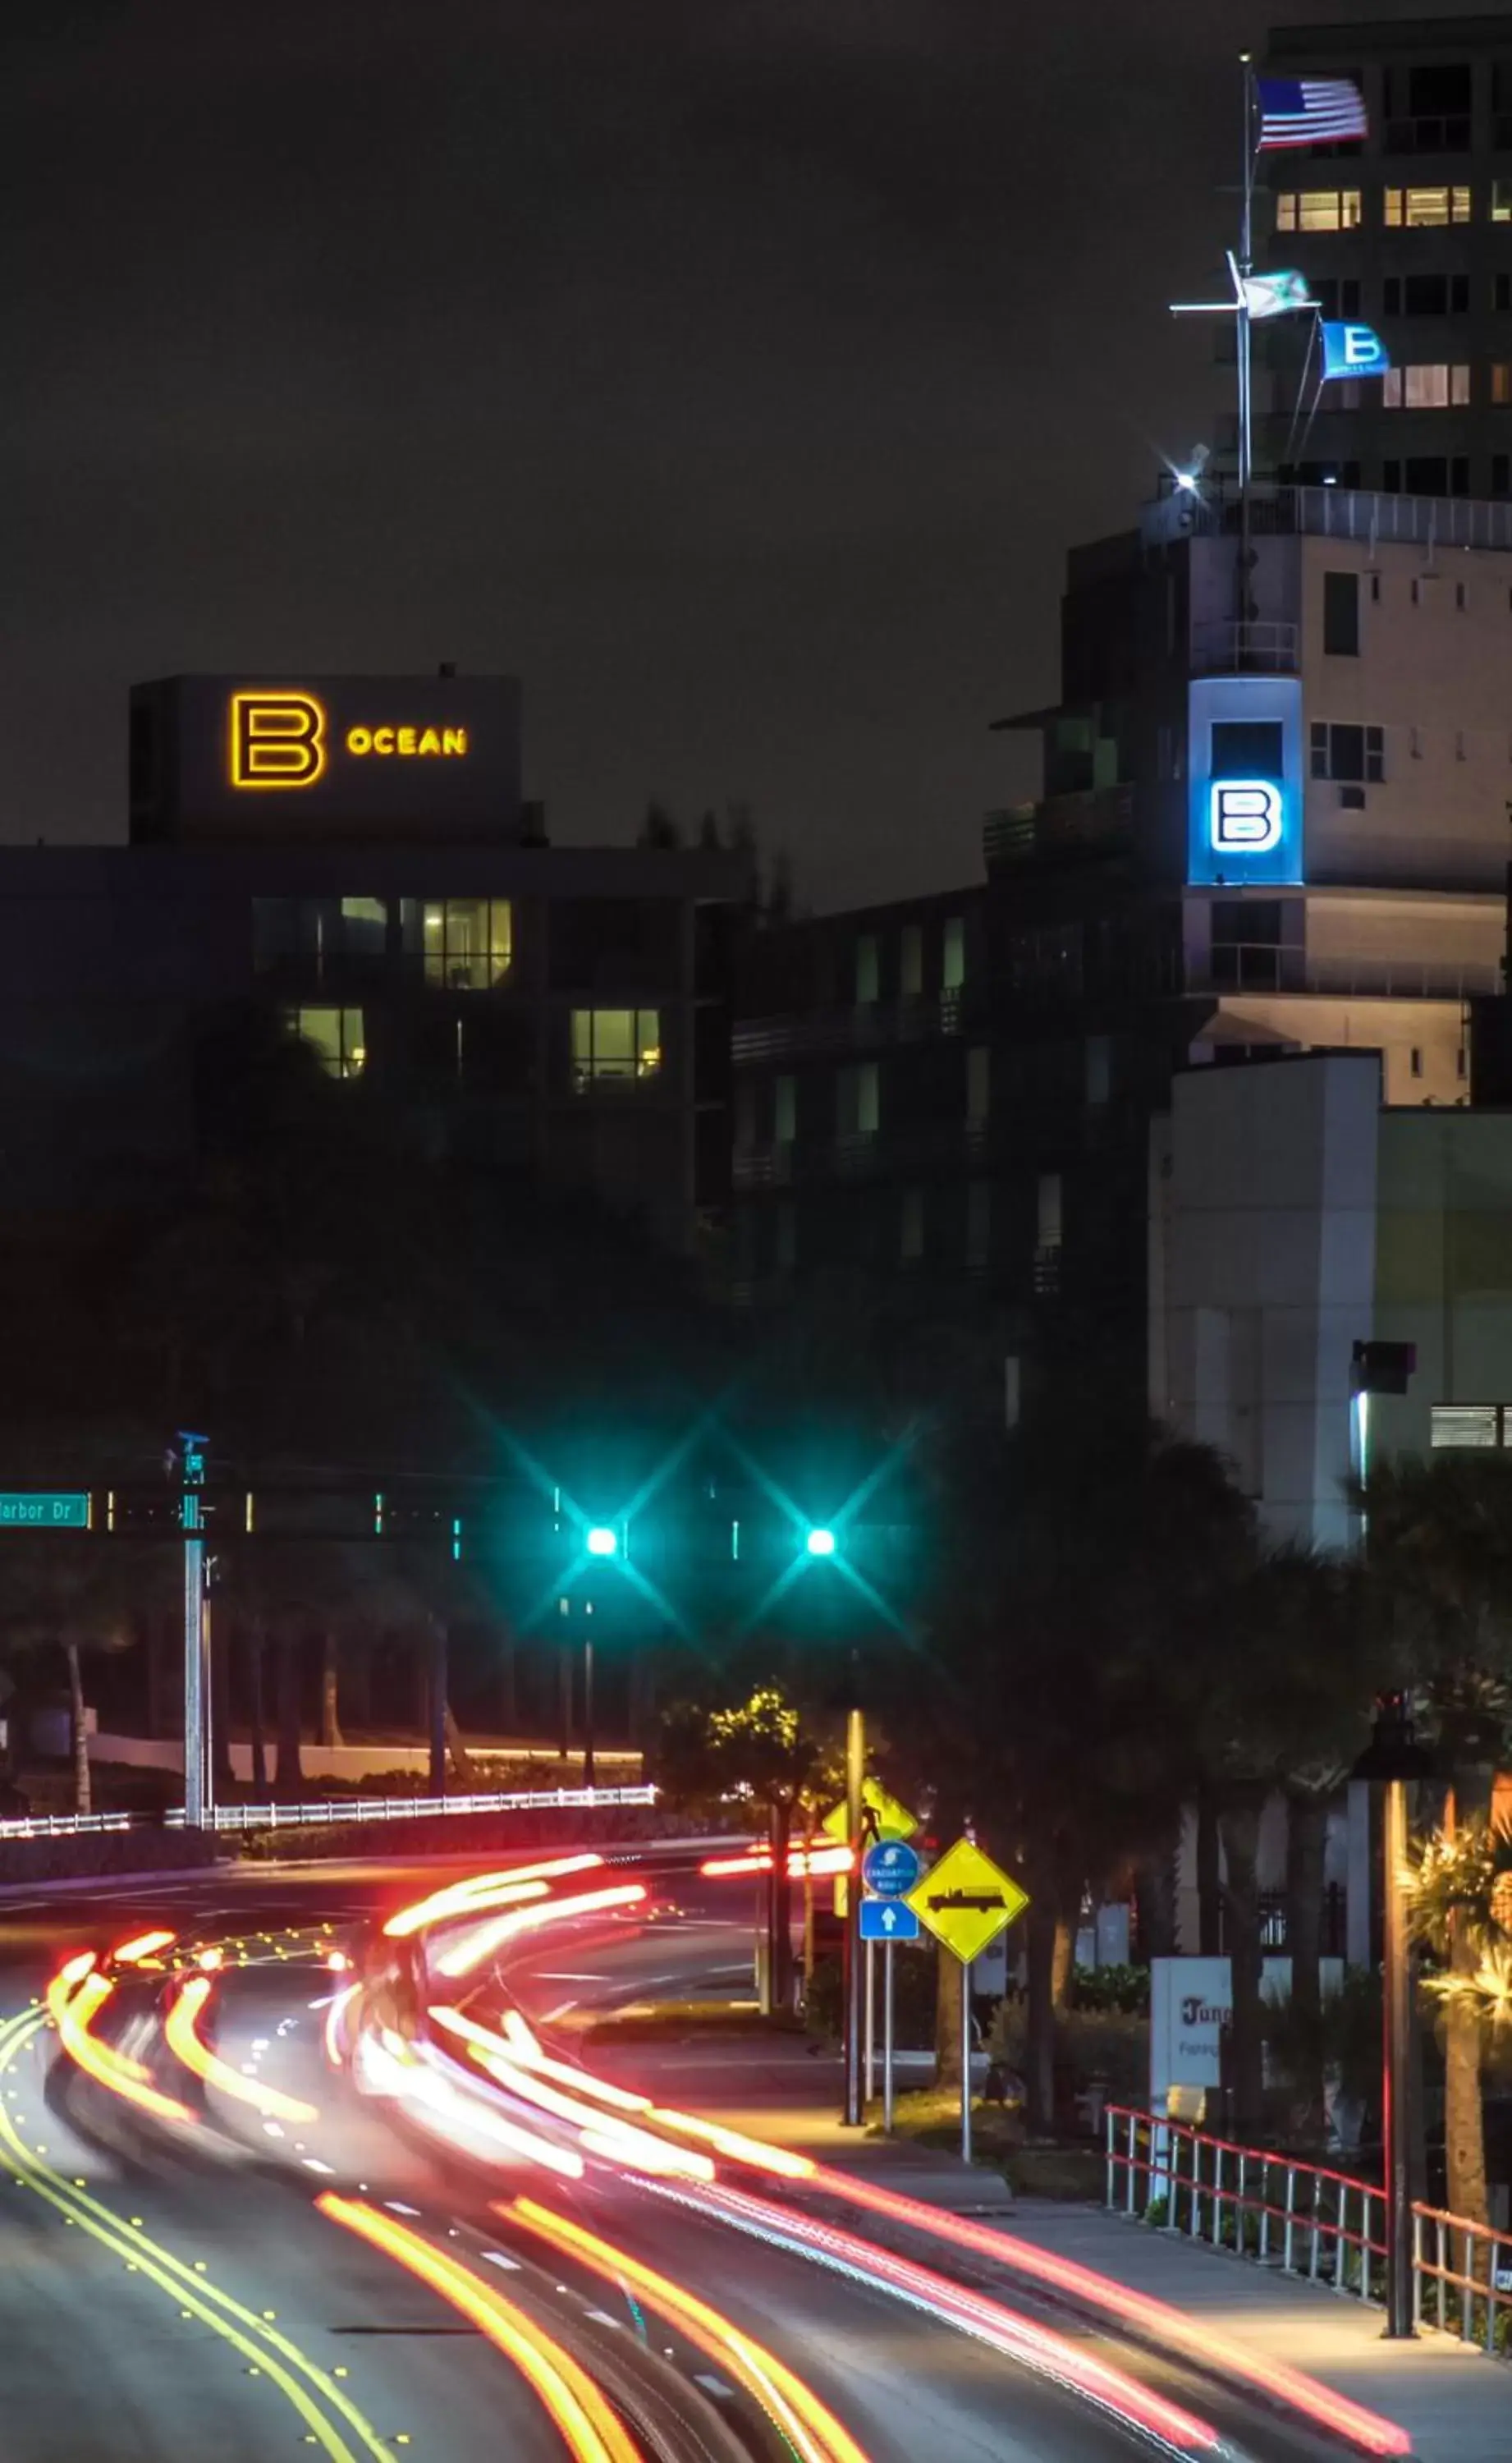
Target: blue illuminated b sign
(1244, 816)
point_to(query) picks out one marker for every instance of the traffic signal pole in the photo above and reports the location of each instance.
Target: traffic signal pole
(199, 1804)
(854, 2112)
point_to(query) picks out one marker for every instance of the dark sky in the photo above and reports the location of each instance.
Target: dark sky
(734, 371)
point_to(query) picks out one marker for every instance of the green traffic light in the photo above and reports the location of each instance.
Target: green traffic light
(821, 1543)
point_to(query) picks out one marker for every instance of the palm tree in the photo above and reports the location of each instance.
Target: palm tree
(1459, 1907)
(1440, 1551)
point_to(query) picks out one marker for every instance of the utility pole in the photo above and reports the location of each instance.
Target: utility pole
(199, 1805)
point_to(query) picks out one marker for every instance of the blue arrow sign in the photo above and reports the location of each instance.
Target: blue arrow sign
(885, 1920)
(889, 1869)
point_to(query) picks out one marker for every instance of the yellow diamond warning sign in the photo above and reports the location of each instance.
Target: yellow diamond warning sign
(966, 1900)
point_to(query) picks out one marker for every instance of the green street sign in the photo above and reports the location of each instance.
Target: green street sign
(20, 1511)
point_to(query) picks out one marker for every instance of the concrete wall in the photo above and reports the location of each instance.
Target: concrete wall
(1262, 1276)
(1433, 673)
(1444, 1264)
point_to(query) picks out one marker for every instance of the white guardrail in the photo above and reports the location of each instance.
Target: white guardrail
(334, 1809)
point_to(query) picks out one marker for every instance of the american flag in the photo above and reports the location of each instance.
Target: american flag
(1308, 111)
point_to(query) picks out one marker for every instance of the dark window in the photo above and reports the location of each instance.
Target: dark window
(1391, 478)
(1347, 751)
(1459, 475)
(1426, 474)
(1341, 615)
(1248, 919)
(1248, 748)
(1350, 297)
(1431, 90)
(1501, 474)
(1458, 294)
(1425, 294)
(1326, 291)
(1501, 292)
(1392, 294)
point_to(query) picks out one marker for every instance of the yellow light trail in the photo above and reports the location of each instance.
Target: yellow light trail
(258, 2341)
(593, 2431)
(810, 2426)
(181, 2029)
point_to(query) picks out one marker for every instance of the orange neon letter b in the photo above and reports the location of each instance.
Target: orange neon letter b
(277, 739)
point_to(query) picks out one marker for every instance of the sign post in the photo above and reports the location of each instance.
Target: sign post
(889, 1869)
(966, 1901)
(197, 1801)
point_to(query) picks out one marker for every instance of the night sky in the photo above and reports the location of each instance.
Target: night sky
(736, 372)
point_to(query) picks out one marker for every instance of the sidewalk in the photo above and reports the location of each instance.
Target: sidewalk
(1455, 2403)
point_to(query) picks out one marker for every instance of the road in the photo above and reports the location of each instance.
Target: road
(173, 2289)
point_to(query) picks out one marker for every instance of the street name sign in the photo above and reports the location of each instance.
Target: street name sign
(966, 1900)
(888, 1920)
(45, 1511)
(889, 1869)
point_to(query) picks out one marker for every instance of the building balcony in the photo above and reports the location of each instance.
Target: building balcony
(1059, 827)
(1363, 513)
(913, 1148)
(1237, 647)
(1259, 967)
(867, 1026)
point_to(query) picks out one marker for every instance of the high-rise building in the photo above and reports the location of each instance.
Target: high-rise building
(1264, 836)
(1409, 231)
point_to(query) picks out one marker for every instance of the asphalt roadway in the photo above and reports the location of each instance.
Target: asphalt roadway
(175, 2293)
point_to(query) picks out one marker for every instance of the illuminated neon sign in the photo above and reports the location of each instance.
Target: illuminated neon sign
(407, 742)
(1244, 816)
(279, 739)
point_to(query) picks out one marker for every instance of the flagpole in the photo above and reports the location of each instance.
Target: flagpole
(1245, 267)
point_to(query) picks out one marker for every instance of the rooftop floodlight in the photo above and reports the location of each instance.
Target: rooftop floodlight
(820, 1544)
(601, 1541)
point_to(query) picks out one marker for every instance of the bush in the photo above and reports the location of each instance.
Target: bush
(1113, 2045)
(1112, 1988)
(481, 1834)
(74, 1855)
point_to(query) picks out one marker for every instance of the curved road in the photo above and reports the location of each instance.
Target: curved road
(175, 2292)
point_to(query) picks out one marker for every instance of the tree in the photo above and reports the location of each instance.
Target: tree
(1440, 1552)
(760, 1746)
(76, 1593)
(1459, 1906)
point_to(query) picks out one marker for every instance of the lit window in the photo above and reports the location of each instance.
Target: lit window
(333, 1035)
(979, 1082)
(953, 959)
(466, 942)
(1501, 205)
(1502, 380)
(868, 967)
(1463, 1425)
(1431, 385)
(1048, 1209)
(1319, 210)
(614, 1045)
(1425, 209)
(858, 1100)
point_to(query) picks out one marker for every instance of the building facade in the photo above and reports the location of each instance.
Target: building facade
(1409, 231)
(1258, 837)
(392, 902)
